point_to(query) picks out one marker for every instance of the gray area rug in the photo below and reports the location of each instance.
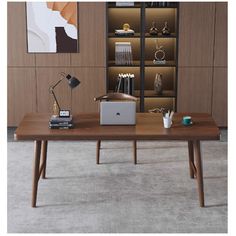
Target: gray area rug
(155, 196)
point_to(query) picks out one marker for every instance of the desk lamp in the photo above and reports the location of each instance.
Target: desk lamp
(72, 82)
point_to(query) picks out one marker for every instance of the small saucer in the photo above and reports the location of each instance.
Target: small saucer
(187, 124)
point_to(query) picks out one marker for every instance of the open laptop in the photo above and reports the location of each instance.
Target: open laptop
(118, 113)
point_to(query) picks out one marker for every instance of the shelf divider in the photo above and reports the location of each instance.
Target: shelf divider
(142, 57)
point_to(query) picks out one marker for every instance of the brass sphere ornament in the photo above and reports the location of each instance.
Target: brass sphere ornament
(126, 27)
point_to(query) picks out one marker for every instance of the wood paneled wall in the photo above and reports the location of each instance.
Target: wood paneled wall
(202, 76)
(30, 75)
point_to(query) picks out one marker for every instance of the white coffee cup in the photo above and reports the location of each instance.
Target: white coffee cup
(167, 121)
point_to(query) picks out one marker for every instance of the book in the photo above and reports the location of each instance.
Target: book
(125, 84)
(123, 53)
(124, 4)
(55, 126)
(64, 127)
(60, 123)
(57, 122)
(124, 32)
(61, 119)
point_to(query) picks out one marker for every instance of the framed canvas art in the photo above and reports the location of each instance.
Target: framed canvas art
(52, 27)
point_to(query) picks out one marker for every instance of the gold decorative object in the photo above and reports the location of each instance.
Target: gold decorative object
(153, 30)
(126, 27)
(116, 96)
(166, 30)
(55, 109)
(157, 110)
(159, 54)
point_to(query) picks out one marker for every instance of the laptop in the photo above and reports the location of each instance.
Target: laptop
(117, 113)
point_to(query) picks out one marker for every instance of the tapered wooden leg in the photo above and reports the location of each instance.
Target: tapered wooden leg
(199, 172)
(37, 150)
(44, 157)
(98, 151)
(191, 158)
(135, 151)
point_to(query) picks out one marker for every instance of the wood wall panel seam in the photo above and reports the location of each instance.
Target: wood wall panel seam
(56, 66)
(219, 105)
(212, 77)
(16, 24)
(196, 24)
(221, 34)
(36, 90)
(21, 93)
(194, 90)
(92, 51)
(195, 66)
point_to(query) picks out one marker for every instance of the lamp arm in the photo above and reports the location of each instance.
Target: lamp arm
(58, 82)
(51, 89)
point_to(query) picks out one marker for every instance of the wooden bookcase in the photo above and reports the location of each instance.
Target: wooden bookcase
(140, 17)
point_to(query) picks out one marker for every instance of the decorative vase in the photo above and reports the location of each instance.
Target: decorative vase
(158, 84)
(126, 27)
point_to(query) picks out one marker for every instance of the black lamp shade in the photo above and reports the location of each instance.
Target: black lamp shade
(73, 82)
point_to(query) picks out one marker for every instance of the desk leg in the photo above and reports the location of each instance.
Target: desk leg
(37, 150)
(191, 159)
(44, 149)
(98, 151)
(135, 151)
(199, 174)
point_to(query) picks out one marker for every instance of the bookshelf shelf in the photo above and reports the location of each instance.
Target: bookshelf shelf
(143, 45)
(167, 64)
(172, 35)
(113, 64)
(136, 93)
(113, 35)
(165, 93)
(114, 5)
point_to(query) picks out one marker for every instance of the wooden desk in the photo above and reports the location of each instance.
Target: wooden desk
(149, 127)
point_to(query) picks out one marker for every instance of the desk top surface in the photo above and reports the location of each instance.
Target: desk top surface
(149, 126)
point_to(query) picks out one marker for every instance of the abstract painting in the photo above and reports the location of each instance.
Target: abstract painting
(52, 27)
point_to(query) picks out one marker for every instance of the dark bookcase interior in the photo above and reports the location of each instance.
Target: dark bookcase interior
(136, 33)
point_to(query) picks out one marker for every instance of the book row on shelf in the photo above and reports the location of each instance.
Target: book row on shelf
(147, 4)
(125, 83)
(123, 53)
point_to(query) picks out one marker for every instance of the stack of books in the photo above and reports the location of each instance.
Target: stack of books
(57, 122)
(125, 83)
(124, 32)
(123, 53)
